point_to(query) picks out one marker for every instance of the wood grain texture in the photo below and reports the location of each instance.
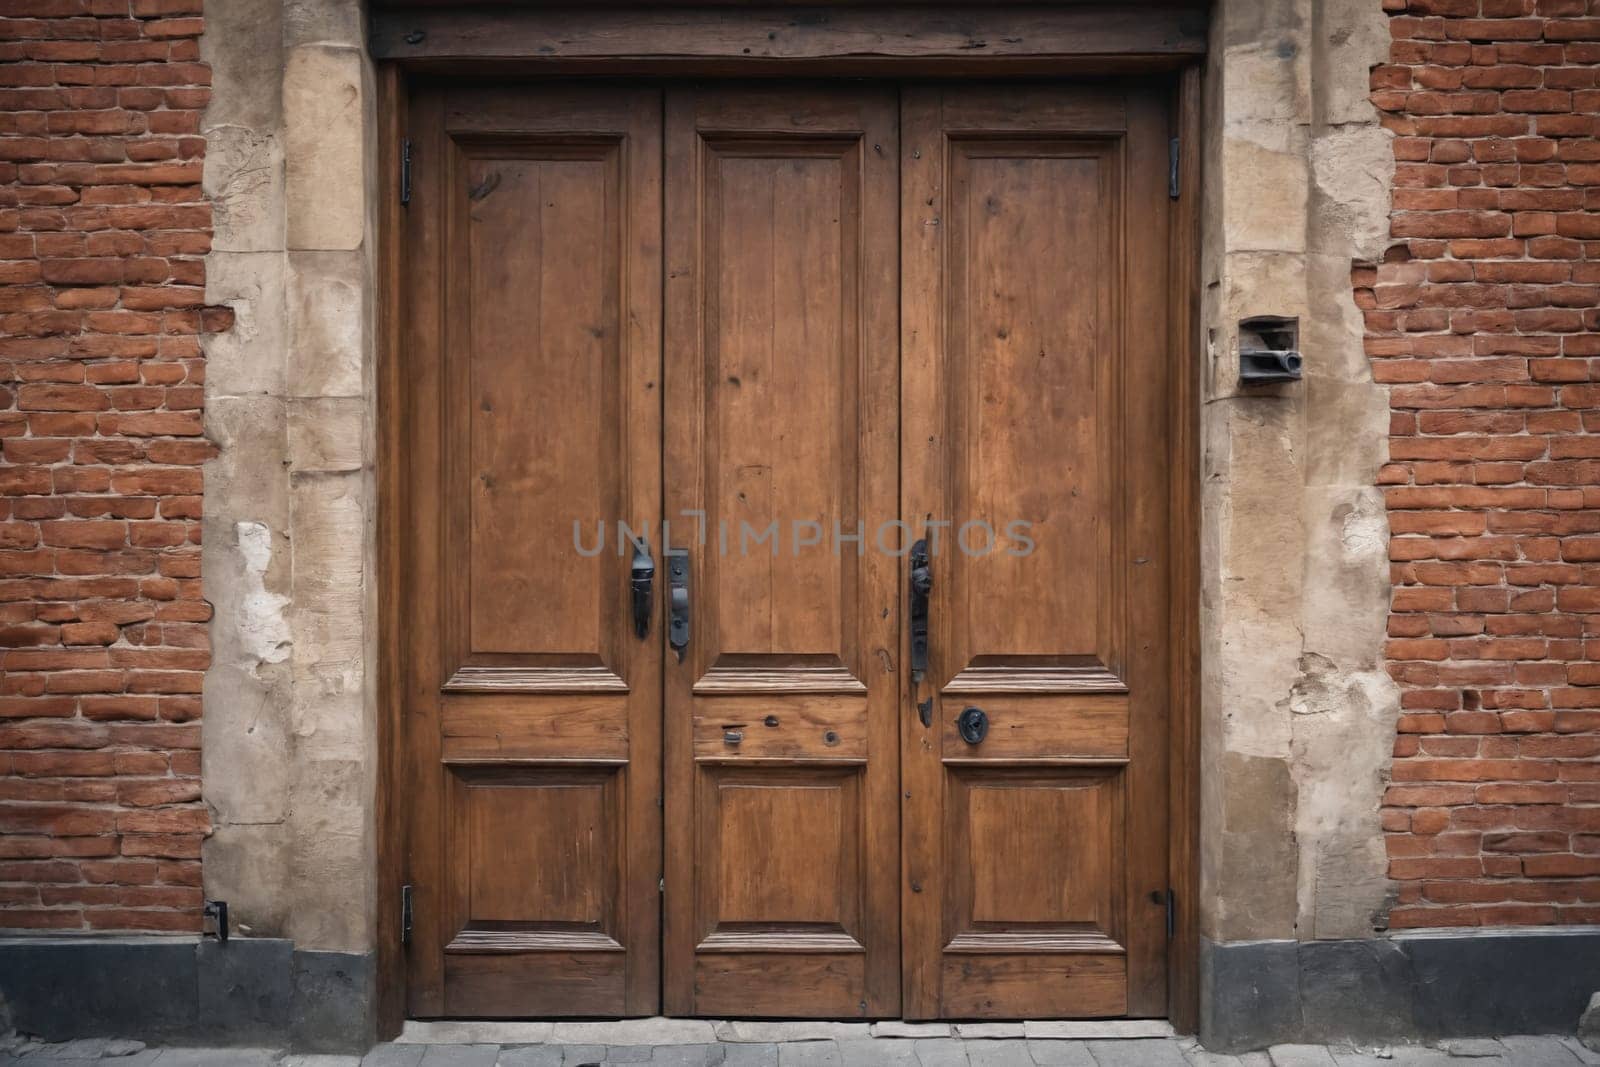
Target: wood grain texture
(755, 35)
(512, 727)
(1042, 726)
(798, 728)
(533, 365)
(780, 401)
(1183, 968)
(1045, 371)
(1015, 986)
(1034, 333)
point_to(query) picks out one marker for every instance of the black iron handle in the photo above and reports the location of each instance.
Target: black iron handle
(921, 586)
(678, 600)
(642, 578)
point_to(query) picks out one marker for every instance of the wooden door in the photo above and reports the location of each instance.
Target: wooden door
(780, 398)
(532, 711)
(1036, 370)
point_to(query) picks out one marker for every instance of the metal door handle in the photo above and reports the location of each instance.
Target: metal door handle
(921, 586)
(678, 600)
(643, 576)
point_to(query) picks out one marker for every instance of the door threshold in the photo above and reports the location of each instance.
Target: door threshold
(664, 1031)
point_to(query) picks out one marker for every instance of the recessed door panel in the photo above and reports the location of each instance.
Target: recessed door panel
(780, 411)
(781, 432)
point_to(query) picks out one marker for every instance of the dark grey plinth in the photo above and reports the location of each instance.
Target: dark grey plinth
(262, 991)
(334, 995)
(1407, 987)
(251, 991)
(58, 989)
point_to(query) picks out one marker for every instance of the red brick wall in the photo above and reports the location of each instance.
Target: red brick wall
(1484, 319)
(103, 637)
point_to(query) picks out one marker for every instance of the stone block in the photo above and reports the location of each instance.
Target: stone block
(461, 1056)
(1061, 1054)
(1355, 991)
(325, 112)
(1272, 178)
(333, 1002)
(526, 1056)
(809, 1054)
(243, 863)
(243, 43)
(249, 358)
(393, 1055)
(1249, 994)
(331, 856)
(1148, 1052)
(1540, 981)
(327, 435)
(872, 1052)
(329, 22)
(1352, 170)
(245, 990)
(244, 181)
(327, 300)
(332, 539)
(134, 987)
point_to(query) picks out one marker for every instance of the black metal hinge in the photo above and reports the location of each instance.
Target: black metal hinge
(1173, 155)
(1169, 900)
(405, 915)
(405, 171)
(217, 912)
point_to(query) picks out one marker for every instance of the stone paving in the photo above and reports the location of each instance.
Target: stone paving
(844, 1048)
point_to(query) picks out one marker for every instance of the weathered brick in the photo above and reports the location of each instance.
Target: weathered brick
(100, 419)
(1484, 324)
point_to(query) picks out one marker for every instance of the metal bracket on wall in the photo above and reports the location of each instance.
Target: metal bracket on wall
(216, 911)
(405, 915)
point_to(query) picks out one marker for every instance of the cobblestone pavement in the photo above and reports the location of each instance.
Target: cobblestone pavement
(841, 1051)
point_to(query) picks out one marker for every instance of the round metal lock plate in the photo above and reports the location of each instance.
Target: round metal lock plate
(973, 723)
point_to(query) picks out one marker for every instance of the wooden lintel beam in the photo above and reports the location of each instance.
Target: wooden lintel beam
(854, 39)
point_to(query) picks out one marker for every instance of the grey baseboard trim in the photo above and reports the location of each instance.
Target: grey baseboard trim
(1420, 986)
(182, 990)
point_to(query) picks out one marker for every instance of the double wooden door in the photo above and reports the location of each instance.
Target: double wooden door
(874, 382)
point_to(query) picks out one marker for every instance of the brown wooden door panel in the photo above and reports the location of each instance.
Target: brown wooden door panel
(533, 350)
(783, 319)
(780, 397)
(1034, 354)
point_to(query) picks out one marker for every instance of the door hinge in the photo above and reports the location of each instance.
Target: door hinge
(405, 171)
(1173, 155)
(661, 885)
(1169, 900)
(405, 915)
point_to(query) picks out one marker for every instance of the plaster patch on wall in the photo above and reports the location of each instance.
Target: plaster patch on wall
(1352, 168)
(263, 629)
(1343, 743)
(1362, 532)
